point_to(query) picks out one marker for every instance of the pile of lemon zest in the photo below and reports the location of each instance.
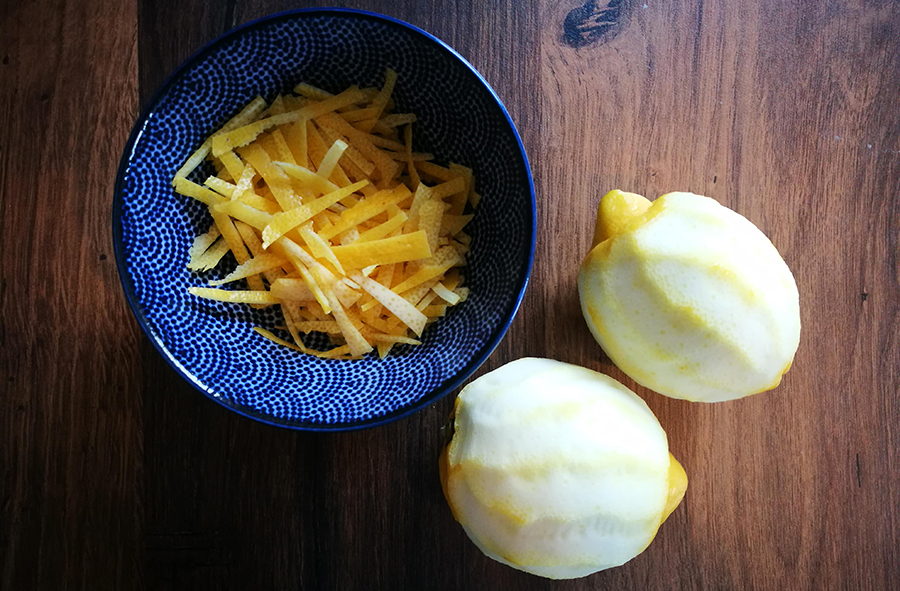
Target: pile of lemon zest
(292, 174)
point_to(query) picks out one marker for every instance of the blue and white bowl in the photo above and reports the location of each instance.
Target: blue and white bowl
(211, 344)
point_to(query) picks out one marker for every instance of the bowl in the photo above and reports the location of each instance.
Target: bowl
(211, 344)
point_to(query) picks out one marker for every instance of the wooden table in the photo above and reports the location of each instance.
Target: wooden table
(116, 474)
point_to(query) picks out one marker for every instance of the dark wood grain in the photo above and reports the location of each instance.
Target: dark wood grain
(116, 474)
(780, 111)
(70, 404)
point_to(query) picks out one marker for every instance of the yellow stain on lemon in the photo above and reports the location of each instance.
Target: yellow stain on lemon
(678, 482)
(619, 211)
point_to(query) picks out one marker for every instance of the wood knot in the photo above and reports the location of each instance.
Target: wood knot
(594, 21)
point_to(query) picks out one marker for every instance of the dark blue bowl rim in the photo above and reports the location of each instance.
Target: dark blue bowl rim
(128, 286)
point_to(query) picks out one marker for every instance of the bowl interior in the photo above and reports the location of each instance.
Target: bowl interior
(212, 344)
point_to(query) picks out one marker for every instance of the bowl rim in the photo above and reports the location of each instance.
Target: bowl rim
(128, 285)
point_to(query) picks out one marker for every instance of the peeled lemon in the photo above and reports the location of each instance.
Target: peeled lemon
(558, 470)
(688, 297)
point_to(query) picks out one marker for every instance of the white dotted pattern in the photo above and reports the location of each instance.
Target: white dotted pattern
(459, 121)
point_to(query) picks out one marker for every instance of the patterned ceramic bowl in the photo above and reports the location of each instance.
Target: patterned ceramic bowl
(211, 344)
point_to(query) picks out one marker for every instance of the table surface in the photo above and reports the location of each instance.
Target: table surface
(116, 474)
